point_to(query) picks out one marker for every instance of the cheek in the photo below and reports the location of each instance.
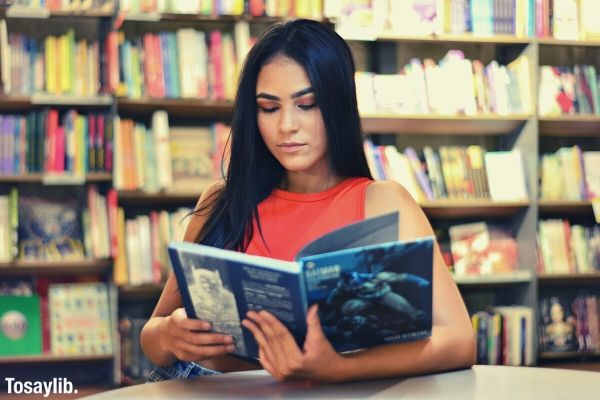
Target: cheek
(265, 127)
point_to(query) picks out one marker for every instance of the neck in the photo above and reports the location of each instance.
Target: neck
(306, 183)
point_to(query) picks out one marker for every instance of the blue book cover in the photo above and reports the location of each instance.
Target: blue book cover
(371, 288)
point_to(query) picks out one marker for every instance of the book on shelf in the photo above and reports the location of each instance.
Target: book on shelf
(566, 248)
(569, 90)
(105, 6)
(570, 174)
(505, 335)
(135, 367)
(370, 288)
(80, 318)
(479, 249)
(20, 328)
(451, 172)
(50, 229)
(453, 86)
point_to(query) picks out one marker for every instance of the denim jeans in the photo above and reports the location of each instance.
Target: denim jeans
(179, 370)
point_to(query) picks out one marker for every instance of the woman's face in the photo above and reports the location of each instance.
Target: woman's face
(289, 120)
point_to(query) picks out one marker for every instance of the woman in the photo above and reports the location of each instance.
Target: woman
(298, 170)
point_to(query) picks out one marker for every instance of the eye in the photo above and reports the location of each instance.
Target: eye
(267, 109)
(307, 106)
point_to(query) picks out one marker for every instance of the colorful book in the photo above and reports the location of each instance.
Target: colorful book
(371, 289)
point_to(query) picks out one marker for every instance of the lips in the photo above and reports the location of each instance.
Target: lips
(290, 147)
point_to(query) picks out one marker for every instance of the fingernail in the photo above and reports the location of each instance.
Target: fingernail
(230, 347)
(229, 339)
(207, 325)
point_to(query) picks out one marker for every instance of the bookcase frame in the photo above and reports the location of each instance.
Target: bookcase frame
(514, 131)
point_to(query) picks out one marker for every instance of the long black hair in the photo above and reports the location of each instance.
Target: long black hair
(253, 172)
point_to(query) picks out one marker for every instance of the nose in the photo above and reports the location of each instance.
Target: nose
(288, 121)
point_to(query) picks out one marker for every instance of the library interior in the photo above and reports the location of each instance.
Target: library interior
(115, 115)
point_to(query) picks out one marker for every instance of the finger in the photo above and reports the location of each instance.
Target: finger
(279, 333)
(260, 338)
(193, 324)
(264, 361)
(203, 352)
(313, 322)
(205, 338)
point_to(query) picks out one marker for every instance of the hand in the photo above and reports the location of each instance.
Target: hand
(190, 339)
(280, 355)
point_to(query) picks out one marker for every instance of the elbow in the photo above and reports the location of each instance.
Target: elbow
(468, 349)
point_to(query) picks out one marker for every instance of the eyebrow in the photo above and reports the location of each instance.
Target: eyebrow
(294, 95)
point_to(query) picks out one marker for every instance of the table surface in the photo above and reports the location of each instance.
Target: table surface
(479, 382)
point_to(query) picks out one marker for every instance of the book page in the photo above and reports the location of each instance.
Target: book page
(375, 230)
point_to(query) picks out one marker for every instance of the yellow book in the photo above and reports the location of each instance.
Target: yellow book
(50, 53)
(139, 147)
(83, 66)
(302, 8)
(120, 275)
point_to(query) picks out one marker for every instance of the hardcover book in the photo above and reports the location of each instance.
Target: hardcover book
(371, 289)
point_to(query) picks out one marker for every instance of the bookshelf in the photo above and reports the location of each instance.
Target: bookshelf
(52, 358)
(565, 207)
(472, 208)
(578, 279)
(579, 125)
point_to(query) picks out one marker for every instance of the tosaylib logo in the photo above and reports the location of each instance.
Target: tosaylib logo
(45, 388)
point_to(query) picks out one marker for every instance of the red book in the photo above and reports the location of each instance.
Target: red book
(51, 125)
(60, 150)
(158, 63)
(216, 66)
(113, 222)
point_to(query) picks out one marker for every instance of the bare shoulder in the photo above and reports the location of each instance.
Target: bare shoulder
(202, 210)
(387, 196)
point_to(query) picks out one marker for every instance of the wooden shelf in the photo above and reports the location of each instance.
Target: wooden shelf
(68, 100)
(580, 366)
(559, 42)
(589, 278)
(14, 103)
(82, 267)
(53, 358)
(567, 207)
(134, 197)
(570, 125)
(155, 16)
(147, 291)
(443, 124)
(523, 276)
(38, 178)
(472, 208)
(567, 355)
(178, 107)
(450, 38)
(44, 13)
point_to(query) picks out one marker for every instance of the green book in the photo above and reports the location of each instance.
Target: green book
(20, 325)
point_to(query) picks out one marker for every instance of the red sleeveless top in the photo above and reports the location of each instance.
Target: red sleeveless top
(290, 220)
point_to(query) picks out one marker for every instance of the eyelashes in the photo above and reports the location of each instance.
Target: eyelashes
(270, 110)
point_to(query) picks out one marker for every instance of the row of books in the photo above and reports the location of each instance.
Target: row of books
(186, 63)
(142, 245)
(58, 65)
(562, 19)
(569, 90)
(567, 249)
(256, 8)
(59, 318)
(569, 323)
(66, 5)
(570, 174)
(505, 336)
(451, 172)
(455, 85)
(161, 157)
(55, 143)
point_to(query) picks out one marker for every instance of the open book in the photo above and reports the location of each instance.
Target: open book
(371, 288)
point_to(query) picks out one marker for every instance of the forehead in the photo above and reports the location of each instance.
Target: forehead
(282, 76)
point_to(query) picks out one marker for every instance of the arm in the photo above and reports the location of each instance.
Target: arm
(169, 335)
(452, 342)
(450, 346)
